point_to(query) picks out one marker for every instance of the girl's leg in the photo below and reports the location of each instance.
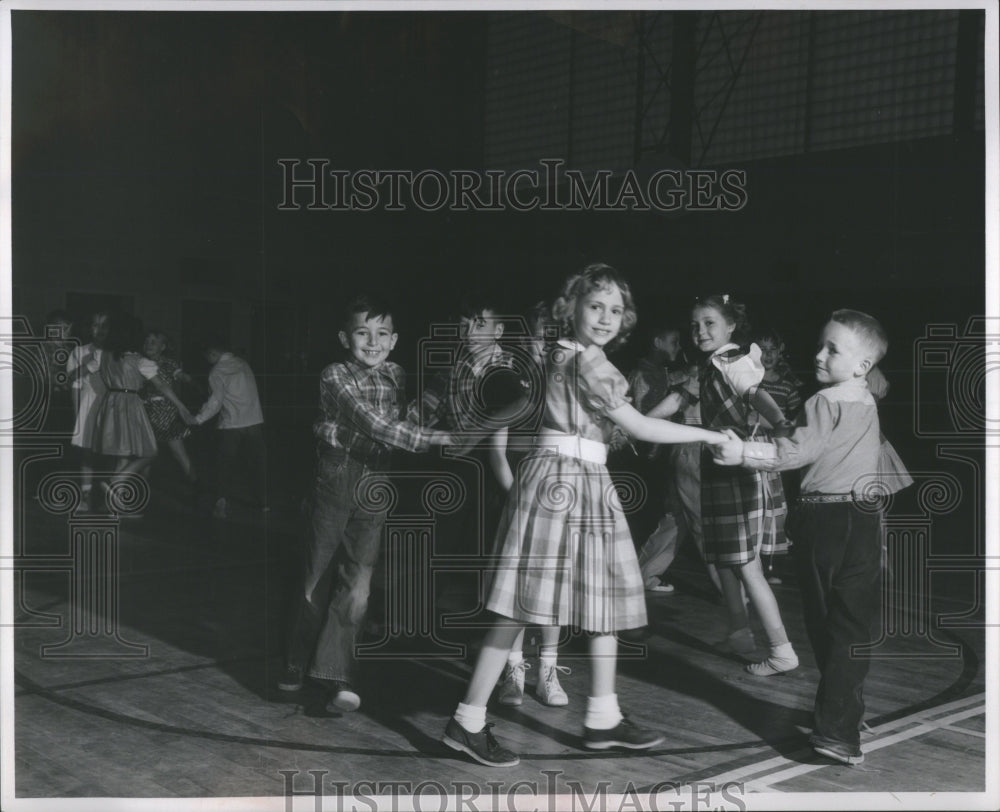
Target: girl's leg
(604, 725)
(604, 665)
(740, 638)
(179, 451)
(511, 689)
(467, 730)
(491, 660)
(548, 688)
(782, 656)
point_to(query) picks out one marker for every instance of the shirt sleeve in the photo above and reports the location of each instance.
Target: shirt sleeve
(806, 444)
(353, 409)
(427, 410)
(214, 402)
(602, 387)
(147, 368)
(743, 373)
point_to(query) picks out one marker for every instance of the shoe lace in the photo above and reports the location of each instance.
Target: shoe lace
(552, 673)
(491, 740)
(514, 671)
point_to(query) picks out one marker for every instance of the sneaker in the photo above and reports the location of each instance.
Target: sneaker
(342, 698)
(781, 660)
(548, 690)
(511, 691)
(482, 746)
(662, 588)
(220, 511)
(291, 679)
(838, 751)
(625, 734)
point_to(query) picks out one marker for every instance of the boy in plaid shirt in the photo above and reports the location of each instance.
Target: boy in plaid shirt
(361, 402)
(837, 534)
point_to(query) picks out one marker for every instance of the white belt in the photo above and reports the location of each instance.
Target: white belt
(572, 445)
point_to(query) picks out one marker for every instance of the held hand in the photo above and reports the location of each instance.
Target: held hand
(729, 452)
(187, 417)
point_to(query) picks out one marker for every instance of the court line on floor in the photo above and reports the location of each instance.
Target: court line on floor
(918, 724)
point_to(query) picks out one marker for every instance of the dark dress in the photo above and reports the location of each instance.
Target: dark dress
(166, 422)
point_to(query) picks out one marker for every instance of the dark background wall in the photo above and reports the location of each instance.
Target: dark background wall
(145, 149)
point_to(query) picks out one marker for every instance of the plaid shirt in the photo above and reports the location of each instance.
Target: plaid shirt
(360, 410)
(450, 398)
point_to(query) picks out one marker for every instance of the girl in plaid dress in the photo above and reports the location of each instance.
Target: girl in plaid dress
(743, 511)
(167, 424)
(785, 389)
(565, 556)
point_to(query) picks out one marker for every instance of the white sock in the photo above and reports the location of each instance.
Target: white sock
(515, 657)
(547, 656)
(471, 717)
(602, 712)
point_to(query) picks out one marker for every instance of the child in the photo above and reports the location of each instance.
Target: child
(454, 400)
(233, 396)
(742, 511)
(81, 370)
(658, 375)
(361, 402)
(565, 554)
(786, 390)
(836, 538)
(167, 424)
(121, 426)
(503, 453)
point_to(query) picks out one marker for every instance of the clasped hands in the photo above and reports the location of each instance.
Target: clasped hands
(730, 451)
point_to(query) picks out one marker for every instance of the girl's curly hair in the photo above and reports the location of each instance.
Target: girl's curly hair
(597, 276)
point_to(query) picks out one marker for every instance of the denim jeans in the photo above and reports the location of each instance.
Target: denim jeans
(343, 543)
(838, 557)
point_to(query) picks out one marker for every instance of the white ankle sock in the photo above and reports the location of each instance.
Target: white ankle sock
(471, 717)
(602, 712)
(515, 657)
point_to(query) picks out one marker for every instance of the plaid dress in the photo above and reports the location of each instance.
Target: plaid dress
(564, 553)
(743, 512)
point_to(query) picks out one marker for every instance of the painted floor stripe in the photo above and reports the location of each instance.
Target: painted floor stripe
(766, 784)
(916, 721)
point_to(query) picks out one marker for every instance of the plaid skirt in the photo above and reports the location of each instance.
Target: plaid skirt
(742, 513)
(564, 553)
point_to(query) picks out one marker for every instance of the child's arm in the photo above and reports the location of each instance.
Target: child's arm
(667, 407)
(214, 402)
(353, 408)
(762, 401)
(654, 430)
(498, 460)
(802, 448)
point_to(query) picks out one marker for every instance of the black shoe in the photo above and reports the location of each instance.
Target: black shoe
(482, 746)
(291, 679)
(625, 734)
(342, 698)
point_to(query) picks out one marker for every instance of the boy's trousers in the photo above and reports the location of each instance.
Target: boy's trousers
(343, 546)
(838, 558)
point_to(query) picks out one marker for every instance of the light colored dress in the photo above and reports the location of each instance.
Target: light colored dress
(86, 390)
(565, 555)
(121, 426)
